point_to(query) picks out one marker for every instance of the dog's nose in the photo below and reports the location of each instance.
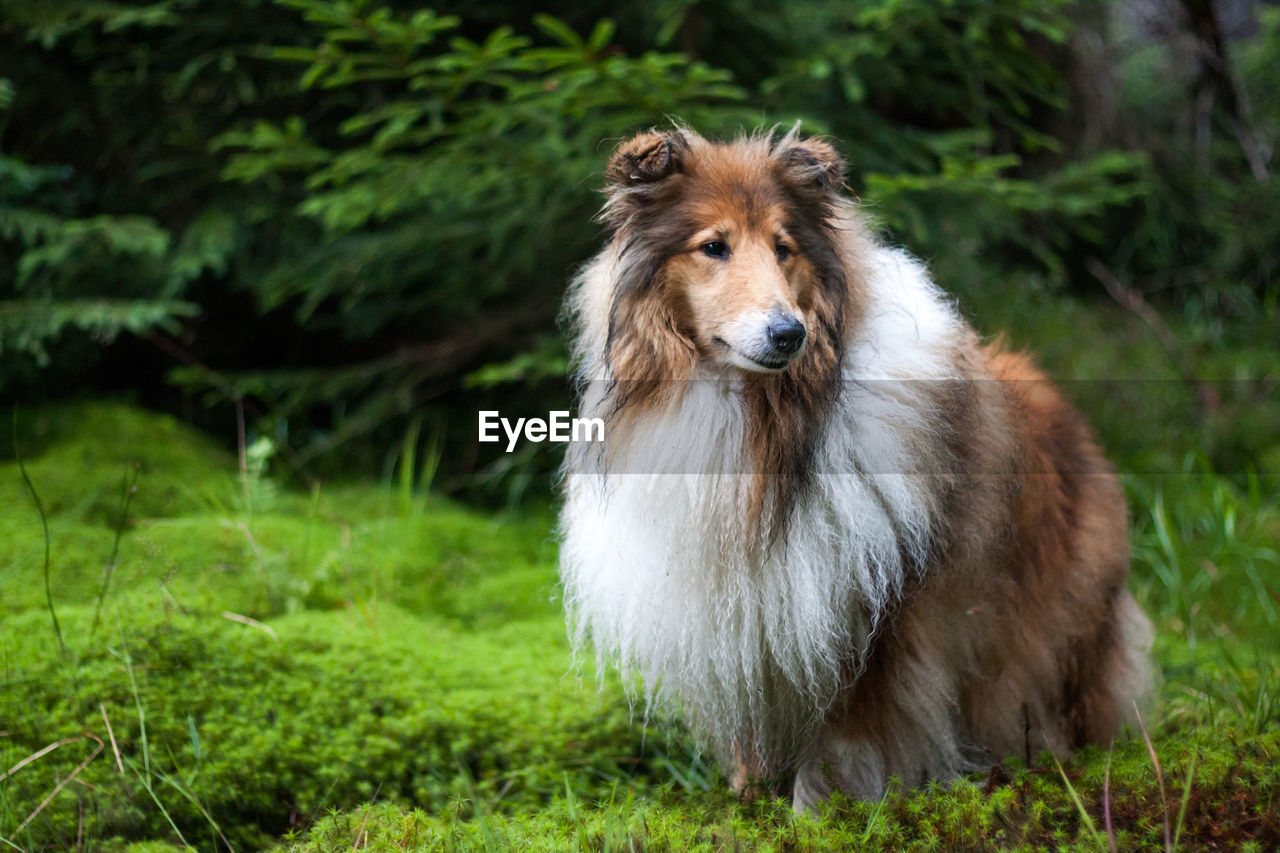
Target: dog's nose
(786, 333)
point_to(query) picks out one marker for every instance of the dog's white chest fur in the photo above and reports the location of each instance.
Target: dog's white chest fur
(663, 576)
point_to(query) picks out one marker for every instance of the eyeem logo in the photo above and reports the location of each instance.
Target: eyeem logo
(558, 427)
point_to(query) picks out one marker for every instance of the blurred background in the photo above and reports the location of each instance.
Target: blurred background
(331, 230)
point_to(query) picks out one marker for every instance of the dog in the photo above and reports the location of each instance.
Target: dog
(846, 539)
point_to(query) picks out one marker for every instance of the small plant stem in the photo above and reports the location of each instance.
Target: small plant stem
(73, 774)
(1155, 762)
(1186, 797)
(40, 753)
(130, 489)
(44, 523)
(112, 735)
(1106, 805)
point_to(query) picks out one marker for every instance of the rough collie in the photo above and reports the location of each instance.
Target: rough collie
(841, 536)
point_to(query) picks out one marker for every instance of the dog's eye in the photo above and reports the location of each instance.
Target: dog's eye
(783, 253)
(716, 249)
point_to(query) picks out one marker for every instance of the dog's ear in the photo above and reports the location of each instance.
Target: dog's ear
(811, 162)
(646, 158)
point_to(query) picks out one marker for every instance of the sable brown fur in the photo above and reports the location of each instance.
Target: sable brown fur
(905, 558)
(1025, 596)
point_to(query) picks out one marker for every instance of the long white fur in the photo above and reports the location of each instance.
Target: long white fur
(660, 574)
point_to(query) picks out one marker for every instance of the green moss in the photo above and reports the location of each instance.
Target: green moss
(79, 456)
(330, 708)
(368, 675)
(293, 658)
(1033, 810)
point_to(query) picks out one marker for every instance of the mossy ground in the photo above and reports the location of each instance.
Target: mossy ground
(349, 669)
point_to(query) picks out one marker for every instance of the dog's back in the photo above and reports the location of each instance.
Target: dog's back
(1021, 636)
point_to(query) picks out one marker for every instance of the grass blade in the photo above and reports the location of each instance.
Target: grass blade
(1155, 762)
(37, 754)
(66, 781)
(44, 523)
(1186, 797)
(1085, 818)
(1106, 805)
(130, 489)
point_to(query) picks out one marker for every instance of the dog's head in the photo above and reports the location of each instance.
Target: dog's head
(727, 250)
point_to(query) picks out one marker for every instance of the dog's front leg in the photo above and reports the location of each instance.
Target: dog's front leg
(748, 779)
(900, 721)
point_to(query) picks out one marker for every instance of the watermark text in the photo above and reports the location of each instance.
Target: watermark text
(558, 427)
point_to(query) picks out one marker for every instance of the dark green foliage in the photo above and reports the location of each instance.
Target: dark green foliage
(947, 114)
(368, 203)
(47, 258)
(445, 163)
(102, 228)
(453, 203)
